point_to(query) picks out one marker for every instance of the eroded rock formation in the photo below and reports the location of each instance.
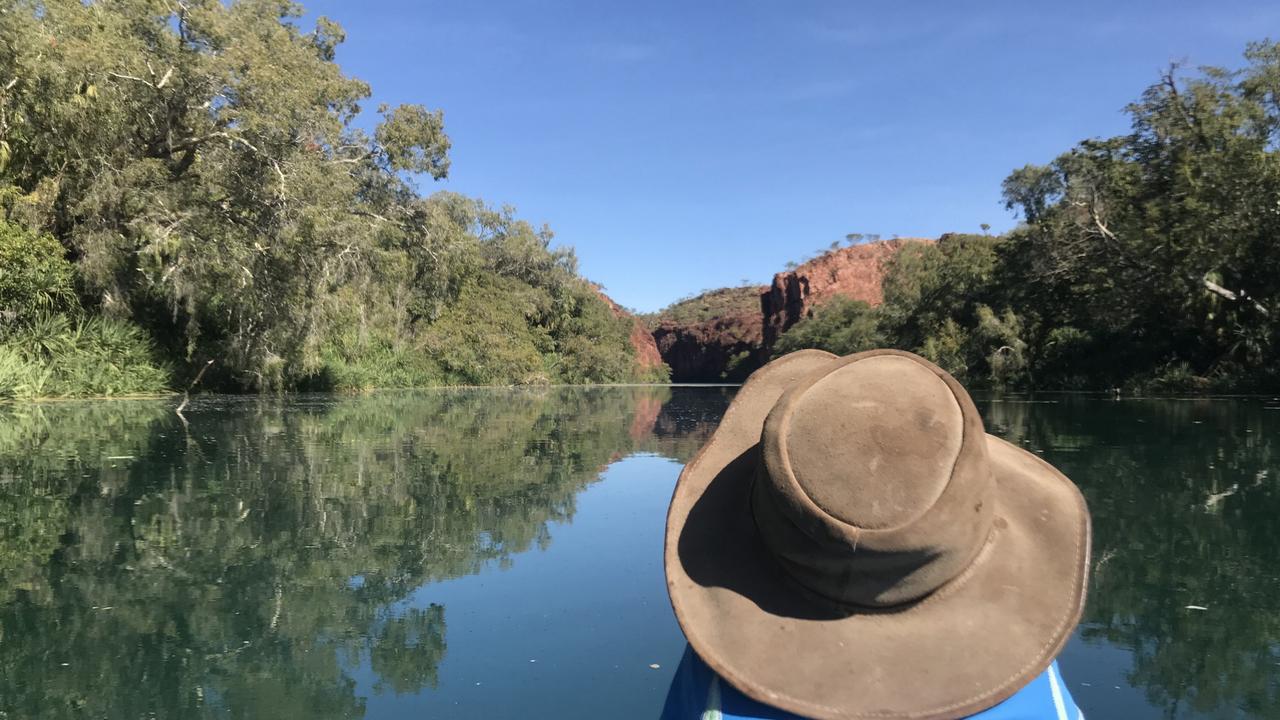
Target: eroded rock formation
(740, 336)
(855, 272)
(716, 350)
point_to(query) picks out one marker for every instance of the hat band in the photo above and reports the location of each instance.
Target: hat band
(842, 571)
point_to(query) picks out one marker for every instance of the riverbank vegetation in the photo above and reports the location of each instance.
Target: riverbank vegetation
(184, 183)
(1147, 260)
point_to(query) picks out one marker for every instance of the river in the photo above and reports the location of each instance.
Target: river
(497, 553)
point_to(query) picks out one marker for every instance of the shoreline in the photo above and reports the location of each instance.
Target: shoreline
(1008, 396)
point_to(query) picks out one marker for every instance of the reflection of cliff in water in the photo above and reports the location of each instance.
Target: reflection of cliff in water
(1184, 497)
(247, 564)
(687, 421)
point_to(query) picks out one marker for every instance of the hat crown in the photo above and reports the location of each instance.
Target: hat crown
(873, 443)
(874, 485)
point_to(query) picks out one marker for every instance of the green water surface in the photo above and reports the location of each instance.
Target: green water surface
(497, 553)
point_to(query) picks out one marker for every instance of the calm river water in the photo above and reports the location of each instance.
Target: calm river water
(497, 553)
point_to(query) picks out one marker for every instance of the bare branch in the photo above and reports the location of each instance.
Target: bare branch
(186, 394)
(1241, 296)
(1208, 284)
(122, 76)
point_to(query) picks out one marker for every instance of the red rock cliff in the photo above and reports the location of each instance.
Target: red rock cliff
(642, 342)
(854, 272)
(715, 350)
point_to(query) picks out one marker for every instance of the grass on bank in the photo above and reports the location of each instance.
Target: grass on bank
(61, 356)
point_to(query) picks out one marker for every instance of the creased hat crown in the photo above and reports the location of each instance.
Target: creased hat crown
(874, 487)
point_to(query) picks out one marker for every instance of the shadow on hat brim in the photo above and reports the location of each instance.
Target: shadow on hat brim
(964, 648)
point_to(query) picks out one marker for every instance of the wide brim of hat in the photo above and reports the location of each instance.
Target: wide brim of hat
(962, 649)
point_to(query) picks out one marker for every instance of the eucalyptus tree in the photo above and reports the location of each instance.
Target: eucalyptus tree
(200, 162)
(1160, 244)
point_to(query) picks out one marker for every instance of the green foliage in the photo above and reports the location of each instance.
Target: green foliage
(723, 302)
(200, 163)
(593, 345)
(927, 284)
(412, 139)
(20, 377)
(35, 276)
(1147, 260)
(1159, 245)
(485, 337)
(1030, 189)
(1006, 351)
(59, 356)
(1175, 377)
(1066, 358)
(948, 348)
(841, 326)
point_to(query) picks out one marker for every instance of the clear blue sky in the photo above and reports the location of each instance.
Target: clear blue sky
(680, 146)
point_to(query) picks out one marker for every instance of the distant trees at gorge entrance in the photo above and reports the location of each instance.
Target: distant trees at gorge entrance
(182, 182)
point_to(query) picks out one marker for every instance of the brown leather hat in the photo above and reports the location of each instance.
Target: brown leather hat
(851, 544)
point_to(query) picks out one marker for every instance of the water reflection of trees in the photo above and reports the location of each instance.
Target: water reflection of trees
(1185, 499)
(247, 564)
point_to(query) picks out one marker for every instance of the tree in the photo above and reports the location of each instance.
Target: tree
(199, 165)
(1163, 239)
(841, 326)
(1031, 189)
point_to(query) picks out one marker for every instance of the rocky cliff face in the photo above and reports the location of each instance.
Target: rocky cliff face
(647, 355)
(725, 334)
(712, 337)
(855, 272)
(642, 342)
(716, 350)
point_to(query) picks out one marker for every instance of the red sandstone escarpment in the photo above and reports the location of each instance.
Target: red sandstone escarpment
(854, 272)
(719, 349)
(646, 348)
(642, 342)
(723, 335)
(712, 337)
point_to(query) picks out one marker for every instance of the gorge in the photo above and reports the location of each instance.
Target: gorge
(722, 335)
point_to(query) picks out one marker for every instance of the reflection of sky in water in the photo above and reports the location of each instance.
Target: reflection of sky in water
(1096, 673)
(568, 632)
(497, 553)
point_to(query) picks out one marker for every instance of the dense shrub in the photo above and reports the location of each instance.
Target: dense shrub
(841, 326)
(57, 355)
(35, 276)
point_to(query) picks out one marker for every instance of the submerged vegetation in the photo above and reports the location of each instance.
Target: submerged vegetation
(185, 182)
(1147, 260)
